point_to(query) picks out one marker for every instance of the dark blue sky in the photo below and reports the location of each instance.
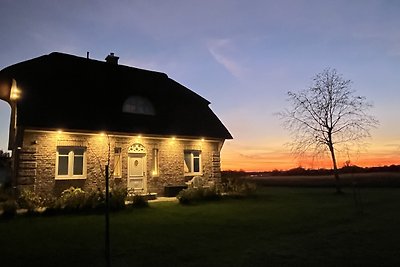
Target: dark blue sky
(243, 56)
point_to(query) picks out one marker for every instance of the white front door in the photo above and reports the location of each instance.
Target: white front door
(137, 172)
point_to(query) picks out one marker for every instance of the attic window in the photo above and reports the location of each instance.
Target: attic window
(138, 105)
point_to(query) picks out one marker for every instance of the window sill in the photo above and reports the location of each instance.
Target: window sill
(193, 174)
(70, 178)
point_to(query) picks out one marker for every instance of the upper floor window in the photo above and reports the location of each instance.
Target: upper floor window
(71, 162)
(138, 105)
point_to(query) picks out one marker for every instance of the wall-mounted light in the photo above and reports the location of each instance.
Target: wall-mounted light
(15, 93)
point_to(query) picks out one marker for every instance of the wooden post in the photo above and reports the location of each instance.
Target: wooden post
(107, 222)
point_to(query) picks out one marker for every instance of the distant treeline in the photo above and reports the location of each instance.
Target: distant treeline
(303, 171)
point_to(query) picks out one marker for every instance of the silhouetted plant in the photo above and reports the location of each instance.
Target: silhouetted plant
(118, 195)
(71, 199)
(93, 200)
(138, 201)
(193, 195)
(29, 200)
(9, 208)
(238, 187)
(5, 193)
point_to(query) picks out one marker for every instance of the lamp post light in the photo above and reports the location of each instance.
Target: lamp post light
(107, 206)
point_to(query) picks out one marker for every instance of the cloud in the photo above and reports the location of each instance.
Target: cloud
(219, 49)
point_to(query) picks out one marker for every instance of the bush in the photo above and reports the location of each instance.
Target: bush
(238, 187)
(71, 199)
(192, 195)
(93, 200)
(29, 200)
(9, 208)
(75, 199)
(6, 193)
(117, 198)
(137, 200)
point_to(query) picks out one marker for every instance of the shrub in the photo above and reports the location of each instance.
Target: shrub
(75, 199)
(9, 208)
(71, 199)
(117, 198)
(4, 196)
(138, 201)
(29, 200)
(192, 195)
(211, 194)
(238, 187)
(93, 199)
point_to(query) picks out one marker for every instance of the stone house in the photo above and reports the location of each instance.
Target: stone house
(71, 116)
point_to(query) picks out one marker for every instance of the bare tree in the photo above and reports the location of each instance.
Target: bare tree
(327, 117)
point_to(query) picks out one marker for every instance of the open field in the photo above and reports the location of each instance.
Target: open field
(278, 227)
(377, 179)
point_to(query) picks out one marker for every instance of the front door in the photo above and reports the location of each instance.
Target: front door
(137, 172)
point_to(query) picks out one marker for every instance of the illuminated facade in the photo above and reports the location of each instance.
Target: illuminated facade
(75, 115)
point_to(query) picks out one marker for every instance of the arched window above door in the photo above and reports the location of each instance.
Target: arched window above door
(137, 149)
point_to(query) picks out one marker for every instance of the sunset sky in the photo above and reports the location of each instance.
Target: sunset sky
(243, 56)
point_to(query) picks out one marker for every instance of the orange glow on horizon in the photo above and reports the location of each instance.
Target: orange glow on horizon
(253, 160)
(237, 164)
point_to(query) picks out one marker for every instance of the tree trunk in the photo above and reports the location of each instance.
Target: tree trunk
(335, 170)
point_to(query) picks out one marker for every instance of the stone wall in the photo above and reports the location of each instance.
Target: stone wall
(37, 160)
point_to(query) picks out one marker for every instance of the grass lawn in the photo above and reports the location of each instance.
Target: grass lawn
(375, 179)
(280, 227)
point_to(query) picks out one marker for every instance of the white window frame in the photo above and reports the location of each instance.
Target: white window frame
(191, 154)
(71, 157)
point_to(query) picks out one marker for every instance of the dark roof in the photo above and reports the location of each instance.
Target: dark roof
(69, 92)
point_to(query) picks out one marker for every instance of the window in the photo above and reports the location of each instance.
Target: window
(117, 162)
(155, 171)
(138, 105)
(192, 161)
(71, 162)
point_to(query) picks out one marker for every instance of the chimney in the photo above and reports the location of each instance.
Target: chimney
(112, 59)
